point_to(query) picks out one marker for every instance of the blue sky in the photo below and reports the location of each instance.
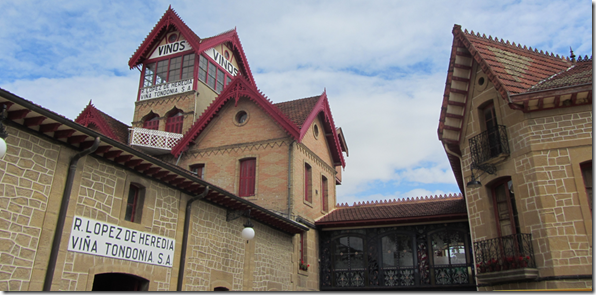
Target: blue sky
(382, 63)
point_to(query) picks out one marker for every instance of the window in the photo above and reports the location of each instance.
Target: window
(151, 122)
(449, 257)
(490, 125)
(302, 249)
(247, 177)
(175, 121)
(324, 193)
(348, 262)
(307, 183)
(198, 170)
(134, 203)
(212, 75)
(169, 70)
(398, 252)
(505, 209)
(587, 175)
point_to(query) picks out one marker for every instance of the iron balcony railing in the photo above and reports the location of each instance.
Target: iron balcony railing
(504, 253)
(154, 138)
(489, 144)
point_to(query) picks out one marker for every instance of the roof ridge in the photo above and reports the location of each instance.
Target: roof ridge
(513, 45)
(217, 35)
(402, 200)
(298, 99)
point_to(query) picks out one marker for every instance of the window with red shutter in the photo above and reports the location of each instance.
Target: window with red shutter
(152, 123)
(307, 183)
(174, 122)
(324, 192)
(247, 177)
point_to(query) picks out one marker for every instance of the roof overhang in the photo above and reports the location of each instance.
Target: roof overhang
(25, 115)
(391, 221)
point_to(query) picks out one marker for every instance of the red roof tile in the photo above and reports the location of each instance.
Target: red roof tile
(419, 208)
(298, 110)
(105, 124)
(578, 74)
(517, 68)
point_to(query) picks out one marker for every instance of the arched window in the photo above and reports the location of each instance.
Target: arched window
(151, 121)
(449, 257)
(397, 259)
(119, 282)
(174, 121)
(505, 208)
(348, 262)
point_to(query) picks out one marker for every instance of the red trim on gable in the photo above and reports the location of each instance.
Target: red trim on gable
(91, 115)
(239, 87)
(322, 106)
(170, 17)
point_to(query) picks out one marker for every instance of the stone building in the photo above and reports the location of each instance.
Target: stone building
(516, 125)
(201, 131)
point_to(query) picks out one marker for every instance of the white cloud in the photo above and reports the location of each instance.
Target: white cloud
(382, 63)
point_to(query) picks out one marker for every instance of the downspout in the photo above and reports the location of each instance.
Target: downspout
(290, 160)
(185, 237)
(47, 284)
(461, 162)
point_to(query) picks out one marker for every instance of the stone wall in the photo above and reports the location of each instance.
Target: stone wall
(27, 174)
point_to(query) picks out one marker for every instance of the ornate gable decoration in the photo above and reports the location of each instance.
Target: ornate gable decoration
(158, 43)
(238, 88)
(92, 116)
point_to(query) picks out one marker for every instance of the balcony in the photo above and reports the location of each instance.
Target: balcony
(154, 142)
(489, 147)
(509, 258)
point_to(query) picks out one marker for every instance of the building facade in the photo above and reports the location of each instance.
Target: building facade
(206, 152)
(516, 125)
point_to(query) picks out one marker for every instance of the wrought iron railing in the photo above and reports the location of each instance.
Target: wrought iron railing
(489, 144)
(154, 138)
(504, 253)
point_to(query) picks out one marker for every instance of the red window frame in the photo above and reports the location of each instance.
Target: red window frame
(152, 123)
(174, 122)
(198, 169)
(507, 205)
(324, 193)
(247, 177)
(184, 64)
(132, 203)
(307, 183)
(586, 168)
(212, 74)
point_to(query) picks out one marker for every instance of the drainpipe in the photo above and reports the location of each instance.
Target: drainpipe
(290, 160)
(47, 284)
(185, 237)
(461, 162)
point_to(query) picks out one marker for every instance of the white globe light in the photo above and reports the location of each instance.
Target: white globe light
(248, 233)
(2, 147)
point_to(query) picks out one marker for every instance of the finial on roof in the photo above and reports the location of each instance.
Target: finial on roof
(572, 55)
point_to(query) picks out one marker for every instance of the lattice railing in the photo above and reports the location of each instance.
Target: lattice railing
(154, 138)
(505, 253)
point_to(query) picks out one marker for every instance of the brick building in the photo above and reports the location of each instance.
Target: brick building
(206, 152)
(516, 125)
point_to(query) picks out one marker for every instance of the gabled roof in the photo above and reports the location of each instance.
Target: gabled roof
(408, 210)
(527, 79)
(39, 120)
(106, 124)
(169, 20)
(292, 116)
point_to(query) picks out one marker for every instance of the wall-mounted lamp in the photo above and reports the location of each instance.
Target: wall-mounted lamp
(3, 133)
(248, 233)
(474, 183)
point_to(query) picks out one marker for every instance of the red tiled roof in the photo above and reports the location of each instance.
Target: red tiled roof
(106, 124)
(578, 74)
(298, 110)
(437, 208)
(517, 68)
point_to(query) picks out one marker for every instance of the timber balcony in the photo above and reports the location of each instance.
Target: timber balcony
(508, 258)
(154, 142)
(489, 147)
